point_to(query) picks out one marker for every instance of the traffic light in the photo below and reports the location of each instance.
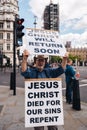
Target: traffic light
(19, 33)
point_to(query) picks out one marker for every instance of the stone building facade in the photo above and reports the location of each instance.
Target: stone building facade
(8, 11)
(80, 52)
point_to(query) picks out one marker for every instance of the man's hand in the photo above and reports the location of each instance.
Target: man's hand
(25, 53)
(66, 55)
(24, 62)
(64, 60)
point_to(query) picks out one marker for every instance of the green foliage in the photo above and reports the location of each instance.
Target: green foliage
(74, 57)
(59, 59)
(56, 59)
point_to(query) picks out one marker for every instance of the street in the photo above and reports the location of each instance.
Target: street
(5, 81)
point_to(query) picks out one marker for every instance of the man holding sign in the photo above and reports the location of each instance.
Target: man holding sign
(39, 71)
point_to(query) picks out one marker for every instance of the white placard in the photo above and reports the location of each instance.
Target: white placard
(43, 102)
(45, 42)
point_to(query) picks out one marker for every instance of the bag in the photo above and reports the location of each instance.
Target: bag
(77, 75)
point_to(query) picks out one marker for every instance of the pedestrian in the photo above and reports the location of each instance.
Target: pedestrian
(69, 76)
(40, 71)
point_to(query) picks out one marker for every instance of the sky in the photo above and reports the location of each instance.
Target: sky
(72, 15)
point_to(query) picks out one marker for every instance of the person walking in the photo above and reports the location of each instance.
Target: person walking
(69, 76)
(40, 71)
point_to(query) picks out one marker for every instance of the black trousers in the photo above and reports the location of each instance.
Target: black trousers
(68, 92)
(49, 128)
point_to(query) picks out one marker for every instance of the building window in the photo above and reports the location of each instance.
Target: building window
(8, 36)
(8, 47)
(8, 24)
(1, 35)
(1, 25)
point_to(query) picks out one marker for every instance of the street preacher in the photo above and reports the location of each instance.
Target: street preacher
(43, 102)
(44, 42)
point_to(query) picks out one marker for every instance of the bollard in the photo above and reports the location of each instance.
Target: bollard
(76, 95)
(11, 81)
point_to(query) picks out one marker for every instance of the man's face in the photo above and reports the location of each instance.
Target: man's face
(40, 63)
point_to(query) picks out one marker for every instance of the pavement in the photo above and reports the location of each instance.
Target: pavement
(12, 112)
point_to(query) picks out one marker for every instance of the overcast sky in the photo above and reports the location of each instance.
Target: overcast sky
(72, 14)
